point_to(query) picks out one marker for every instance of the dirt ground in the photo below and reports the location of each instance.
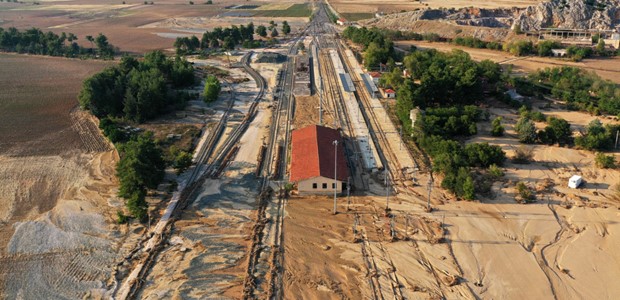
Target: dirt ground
(306, 112)
(40, 118)
(207, 255)
(57, 183)
(607, 68)
(393, 6)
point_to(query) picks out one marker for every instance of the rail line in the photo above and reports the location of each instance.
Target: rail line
(147, 250)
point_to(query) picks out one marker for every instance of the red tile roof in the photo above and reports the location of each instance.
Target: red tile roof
(374, 74)
(312, 154)
(389, 91)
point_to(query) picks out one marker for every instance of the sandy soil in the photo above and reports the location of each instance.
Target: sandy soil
(207, 256)
(306, 112)
(607, 68)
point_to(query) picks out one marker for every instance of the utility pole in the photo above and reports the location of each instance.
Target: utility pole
(335, 142)
(430, 186)
(348, 192)
(387, 196)
(400, 147)
(616, 146)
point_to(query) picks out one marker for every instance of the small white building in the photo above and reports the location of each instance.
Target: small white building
(389, 93)
(558, 52)
(575, 181)
(342, 22)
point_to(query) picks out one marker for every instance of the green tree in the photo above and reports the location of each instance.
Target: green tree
(261, 30)
(374, 55)
(496, 127)
(468, 189)
(141, 166)
(145, 95)
(483, 155)
(136, 204)
(526, 130)
(560, 130)
(605, 161)
(286, 29)
(103, 93)
(274, 32)
(212, 89)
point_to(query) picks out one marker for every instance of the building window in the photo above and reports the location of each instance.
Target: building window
(314, 185)
(324, 185)
(333, 185)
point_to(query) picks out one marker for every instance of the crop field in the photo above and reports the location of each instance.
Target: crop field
(299, 10)
(37, 97)
(394, 6)
(357, 16)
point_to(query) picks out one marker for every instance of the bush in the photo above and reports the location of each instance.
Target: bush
(525, 193)
(483, 155)
(212, 89)
(523, 155)
(496, 171)
(121, 218)
(496, 127)
(605, 161)
(526, 130)
(597, 137)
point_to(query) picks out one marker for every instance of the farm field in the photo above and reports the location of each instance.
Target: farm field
(607, 68)
(39, 94)
(57, 183)
(139, 28)
(393, 6)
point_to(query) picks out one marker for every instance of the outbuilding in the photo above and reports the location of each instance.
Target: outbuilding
(389, 93)
(313, 160)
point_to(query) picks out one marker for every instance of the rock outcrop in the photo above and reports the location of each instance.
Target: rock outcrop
(573, 14)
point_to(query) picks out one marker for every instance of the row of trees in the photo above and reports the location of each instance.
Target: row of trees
(141, 167)
(229, 38)
(136, 90)
(35, 41)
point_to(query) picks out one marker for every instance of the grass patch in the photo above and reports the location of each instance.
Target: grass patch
(294, 11)
(357, 16)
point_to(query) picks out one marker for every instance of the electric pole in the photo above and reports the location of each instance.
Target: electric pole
(335, 142)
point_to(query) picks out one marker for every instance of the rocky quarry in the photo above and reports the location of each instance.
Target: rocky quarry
(569, 14)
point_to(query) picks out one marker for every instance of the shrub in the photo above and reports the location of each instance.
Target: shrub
(526, 130)
(121, 218)
(523, 155)
(496, 127)
(483, 155)
(496, 171)
(605, 161)
(525, 193)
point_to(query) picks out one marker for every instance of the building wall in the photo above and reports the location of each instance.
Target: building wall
(306, 186)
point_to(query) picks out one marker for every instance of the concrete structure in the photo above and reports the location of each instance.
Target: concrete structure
(613, 41)
(361, 132)
(514, 95)
(375, 77)
(389, 93)
(302, 85)
(370, 85)
(575, 181)
(342, 22)
(558, 52)
(312, 160)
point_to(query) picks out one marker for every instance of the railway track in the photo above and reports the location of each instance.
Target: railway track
(143, 256)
